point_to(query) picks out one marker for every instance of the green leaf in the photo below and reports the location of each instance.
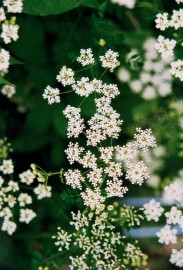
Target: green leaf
(4, 81)
(51, 7)
(14, 61)
(148, 6)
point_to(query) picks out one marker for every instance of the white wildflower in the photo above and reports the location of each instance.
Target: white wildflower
(13, 6)
(52, 95)
(42, 191)
(74, 178)
(177, 257)
(153, 210)
(27, 177)
(137, 173)
(26, 215)
(165, 46)
(144, 139)
(86, 57)
(167, 235)
(66, 76)
(9, 32)
(8, 90)
(7, 167)
(24, 199)
(115, 188)
(4, 60)
(109, 60)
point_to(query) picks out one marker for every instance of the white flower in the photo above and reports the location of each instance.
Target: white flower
(13, 6)
(63, 239)
(153, 210)
(52, 95)
(149, 92)
(173, 193)
(2, 14)
(123, 75)
(9, 226)
(89, 160)
(42, 191)
(177, 257)
(95, 176)
(174, 216)
(9, 32)
(27, 177)
(106, 153)
(86, 57)
(7, 167)
(66, 76)
(109, 60)
(83, 87)
(92, 198)
(115, 188)
(12, 186)
(137, 173)
(74, 178)
(8, 90)
(144, 139)
(72, 112)
(94, 137)
(1, 181)
(11, 200)
(73, 152)
(75, 127)
(162, 21)
(24, 199)
(167, 235)
(126, 3)
(110, 90)
(113, 169)
(179, 1)
(4, 60)
(165, 46)
(177, 69)
(6, 212)
(126, 153)
(26, 215)
(177, 19)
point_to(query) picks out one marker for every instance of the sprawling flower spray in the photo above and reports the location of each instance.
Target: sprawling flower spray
(154, 80)
(102, 169)
(167, 46)
(168, 234)
(8, 33)
(16, 195)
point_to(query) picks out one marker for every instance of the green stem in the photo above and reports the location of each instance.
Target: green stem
(67, 92)
(82, 102)
(103, 73)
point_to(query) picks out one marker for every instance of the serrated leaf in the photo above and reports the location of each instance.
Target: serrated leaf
(50, 7)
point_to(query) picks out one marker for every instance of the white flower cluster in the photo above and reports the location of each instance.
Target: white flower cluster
(126, 3)
(95, 236)
(105, 168)
(8, 33)
(173, 194)
(8, 90)
(83, 86)
(13, 199)
(155, 78)
(165, 46)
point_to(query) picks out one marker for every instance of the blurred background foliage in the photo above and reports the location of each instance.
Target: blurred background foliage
(51, 35)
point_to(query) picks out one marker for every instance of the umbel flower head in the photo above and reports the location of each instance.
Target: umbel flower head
(99, 170)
